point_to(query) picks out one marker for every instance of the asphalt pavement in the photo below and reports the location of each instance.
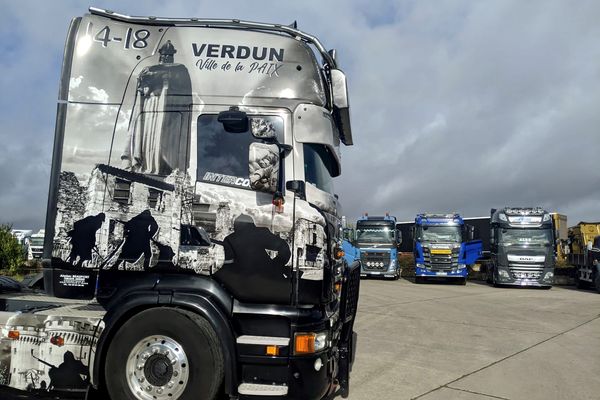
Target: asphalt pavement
(475, 342)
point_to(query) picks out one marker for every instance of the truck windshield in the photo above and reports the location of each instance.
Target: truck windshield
(223, 156)
(439, 233)
(536, 237)
(375, 234)
(36, 241)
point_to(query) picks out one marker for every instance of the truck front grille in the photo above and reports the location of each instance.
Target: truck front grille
(440, 262)
(526, 271)
(350, 291)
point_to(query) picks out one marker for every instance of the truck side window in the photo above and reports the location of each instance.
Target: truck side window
(223, 156)
(319, 166)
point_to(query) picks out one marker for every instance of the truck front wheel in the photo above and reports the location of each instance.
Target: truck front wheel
(597, 281)
(164, 353)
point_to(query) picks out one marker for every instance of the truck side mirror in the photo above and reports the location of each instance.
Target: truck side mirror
(471, 232)
(263, 167)
(398, 237)
(341, 105)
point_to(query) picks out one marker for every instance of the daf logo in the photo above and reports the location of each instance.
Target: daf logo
(526, 258)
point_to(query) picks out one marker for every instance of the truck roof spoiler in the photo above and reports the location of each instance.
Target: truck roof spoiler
(328, 57)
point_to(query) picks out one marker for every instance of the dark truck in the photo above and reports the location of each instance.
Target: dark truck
(522, 251)
(193, 236)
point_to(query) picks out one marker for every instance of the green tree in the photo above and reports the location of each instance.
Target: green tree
(12, 254)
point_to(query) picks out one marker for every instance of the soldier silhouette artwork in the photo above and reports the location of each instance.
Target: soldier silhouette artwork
(165, 258)
(68, 374)
(83, 238)
(251, 269)
(138, 234)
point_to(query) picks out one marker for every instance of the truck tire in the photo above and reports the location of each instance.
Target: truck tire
(579, 283)
(488, 277)
(164, 353)
(597, 282)
(494, 281)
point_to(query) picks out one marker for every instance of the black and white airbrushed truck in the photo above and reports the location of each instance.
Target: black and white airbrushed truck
(192, 235)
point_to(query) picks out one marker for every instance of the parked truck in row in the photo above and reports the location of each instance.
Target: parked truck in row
(584, 253)
(522, 247)
(443, 247)
(377, 240)
(192, 241)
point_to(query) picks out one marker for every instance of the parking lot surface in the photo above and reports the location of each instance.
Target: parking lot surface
(475, 342)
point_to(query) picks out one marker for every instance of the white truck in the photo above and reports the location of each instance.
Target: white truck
(192, 242)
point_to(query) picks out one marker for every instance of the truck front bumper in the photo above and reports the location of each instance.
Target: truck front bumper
(392, 271)
(421, 271)
(384, 274)
(307, 377)
(504, 277)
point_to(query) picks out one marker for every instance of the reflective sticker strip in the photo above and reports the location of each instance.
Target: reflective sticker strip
(263, 340)
(254, 389)
(441, 251)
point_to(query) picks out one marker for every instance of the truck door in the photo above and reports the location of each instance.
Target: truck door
(473, 251)
(237, 176)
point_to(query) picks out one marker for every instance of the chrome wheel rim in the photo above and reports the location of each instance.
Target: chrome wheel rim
(157, 368)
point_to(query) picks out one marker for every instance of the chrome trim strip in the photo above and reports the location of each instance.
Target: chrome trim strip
(526, 267)
(255, 389)
(527, 259)
(263, 340)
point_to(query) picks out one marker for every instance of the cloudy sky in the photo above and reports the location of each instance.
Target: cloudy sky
(456, 105)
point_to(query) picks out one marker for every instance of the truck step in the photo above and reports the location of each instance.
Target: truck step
(256, 389)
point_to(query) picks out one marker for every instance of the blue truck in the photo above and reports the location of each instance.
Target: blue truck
(377, 241)
(443, 247)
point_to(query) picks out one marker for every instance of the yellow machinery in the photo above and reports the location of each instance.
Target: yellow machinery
(561, 233)
(582, 235)
(584, 244)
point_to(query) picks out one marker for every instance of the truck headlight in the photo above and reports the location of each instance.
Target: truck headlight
(462, 266)
(420, 265)
(311, 342)
(503, 273)
(549, 276)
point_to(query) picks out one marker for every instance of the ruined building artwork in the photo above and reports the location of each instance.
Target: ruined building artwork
(51, 353)
(142, 210)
